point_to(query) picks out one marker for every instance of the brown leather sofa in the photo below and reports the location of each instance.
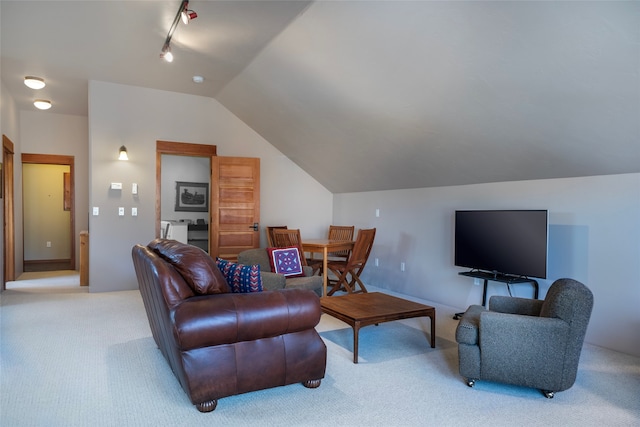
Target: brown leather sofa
(220, 343)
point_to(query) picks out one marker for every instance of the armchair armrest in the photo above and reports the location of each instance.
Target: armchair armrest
(515, 305)
(229, 318)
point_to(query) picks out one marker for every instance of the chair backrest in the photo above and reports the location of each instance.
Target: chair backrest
(361, 249)
(571, 301)
(285, 238)
(341, 232)
(270, 234)
(255, 256)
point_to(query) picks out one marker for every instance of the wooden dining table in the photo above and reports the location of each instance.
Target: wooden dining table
(325, 247)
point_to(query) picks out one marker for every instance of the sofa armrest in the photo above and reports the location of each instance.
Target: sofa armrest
(229, 318)
(515, 305)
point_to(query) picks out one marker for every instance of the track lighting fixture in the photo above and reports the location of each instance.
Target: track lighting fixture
(42, 104)
(34, 82)
(186, 15)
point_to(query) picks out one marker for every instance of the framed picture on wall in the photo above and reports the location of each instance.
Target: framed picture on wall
(192, 196)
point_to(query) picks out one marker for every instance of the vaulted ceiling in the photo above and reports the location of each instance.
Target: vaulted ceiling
(367, 95)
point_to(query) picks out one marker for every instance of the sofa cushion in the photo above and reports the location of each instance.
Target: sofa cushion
(197, 268)
(286, 261)
(241, 278)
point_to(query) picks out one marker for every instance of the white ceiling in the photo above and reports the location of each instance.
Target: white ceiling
(367, 95)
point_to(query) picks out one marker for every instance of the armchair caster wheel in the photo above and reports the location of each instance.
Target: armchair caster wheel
(471, 382)
(548, 394)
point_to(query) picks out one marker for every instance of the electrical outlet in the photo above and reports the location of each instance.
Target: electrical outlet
(48, 244)
(476, 281)
(134, 188)
(96, 211)
(377, 213)
(121, 211)
(402, 266)
(134, 211)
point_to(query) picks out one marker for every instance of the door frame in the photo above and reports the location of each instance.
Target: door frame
(9, 230)
(55, 159)
(180, 149)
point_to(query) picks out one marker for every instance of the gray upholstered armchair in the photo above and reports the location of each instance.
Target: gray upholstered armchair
(272, 281)
(526, 342)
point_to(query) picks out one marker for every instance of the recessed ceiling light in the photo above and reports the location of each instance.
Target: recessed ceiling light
(198, 79)
(42, 104)
(34, 82)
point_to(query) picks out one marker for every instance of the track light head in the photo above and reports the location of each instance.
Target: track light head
(166, 54)
(188, 15)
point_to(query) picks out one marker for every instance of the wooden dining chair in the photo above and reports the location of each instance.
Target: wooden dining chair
(286, 238)
(270, 233)
(336, 232)
(348, 272)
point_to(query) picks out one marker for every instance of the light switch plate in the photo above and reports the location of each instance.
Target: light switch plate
(96, 211)
(134, 188)
(121, 211)
(134, 211)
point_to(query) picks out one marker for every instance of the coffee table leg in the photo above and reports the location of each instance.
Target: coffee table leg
(356, 329)
(433, 330)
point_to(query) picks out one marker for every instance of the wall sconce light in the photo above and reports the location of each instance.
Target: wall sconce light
(42, 104)
(123, 153)
(34, 82)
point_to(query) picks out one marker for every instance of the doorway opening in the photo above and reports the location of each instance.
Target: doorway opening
(48, 212)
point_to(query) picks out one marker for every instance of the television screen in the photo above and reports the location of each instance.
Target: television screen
(503, 242)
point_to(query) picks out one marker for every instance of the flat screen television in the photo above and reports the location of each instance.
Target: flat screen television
(502, 242)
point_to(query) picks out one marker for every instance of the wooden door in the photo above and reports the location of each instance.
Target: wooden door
(9, 258)
(235, 206)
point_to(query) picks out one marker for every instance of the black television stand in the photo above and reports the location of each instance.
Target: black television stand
(497, 277)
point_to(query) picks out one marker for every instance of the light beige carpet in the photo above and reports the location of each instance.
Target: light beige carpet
(72, 358)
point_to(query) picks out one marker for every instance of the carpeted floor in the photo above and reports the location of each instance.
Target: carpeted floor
(71, 358)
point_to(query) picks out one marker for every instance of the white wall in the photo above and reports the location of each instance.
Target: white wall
(138, 117)
(182, 168)
(45, 219)
(594, 237)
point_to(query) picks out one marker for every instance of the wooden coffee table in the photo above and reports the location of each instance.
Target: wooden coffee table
(371, 308)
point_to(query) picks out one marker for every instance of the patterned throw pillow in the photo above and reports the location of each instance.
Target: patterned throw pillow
(241, 278)
(285, 261)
